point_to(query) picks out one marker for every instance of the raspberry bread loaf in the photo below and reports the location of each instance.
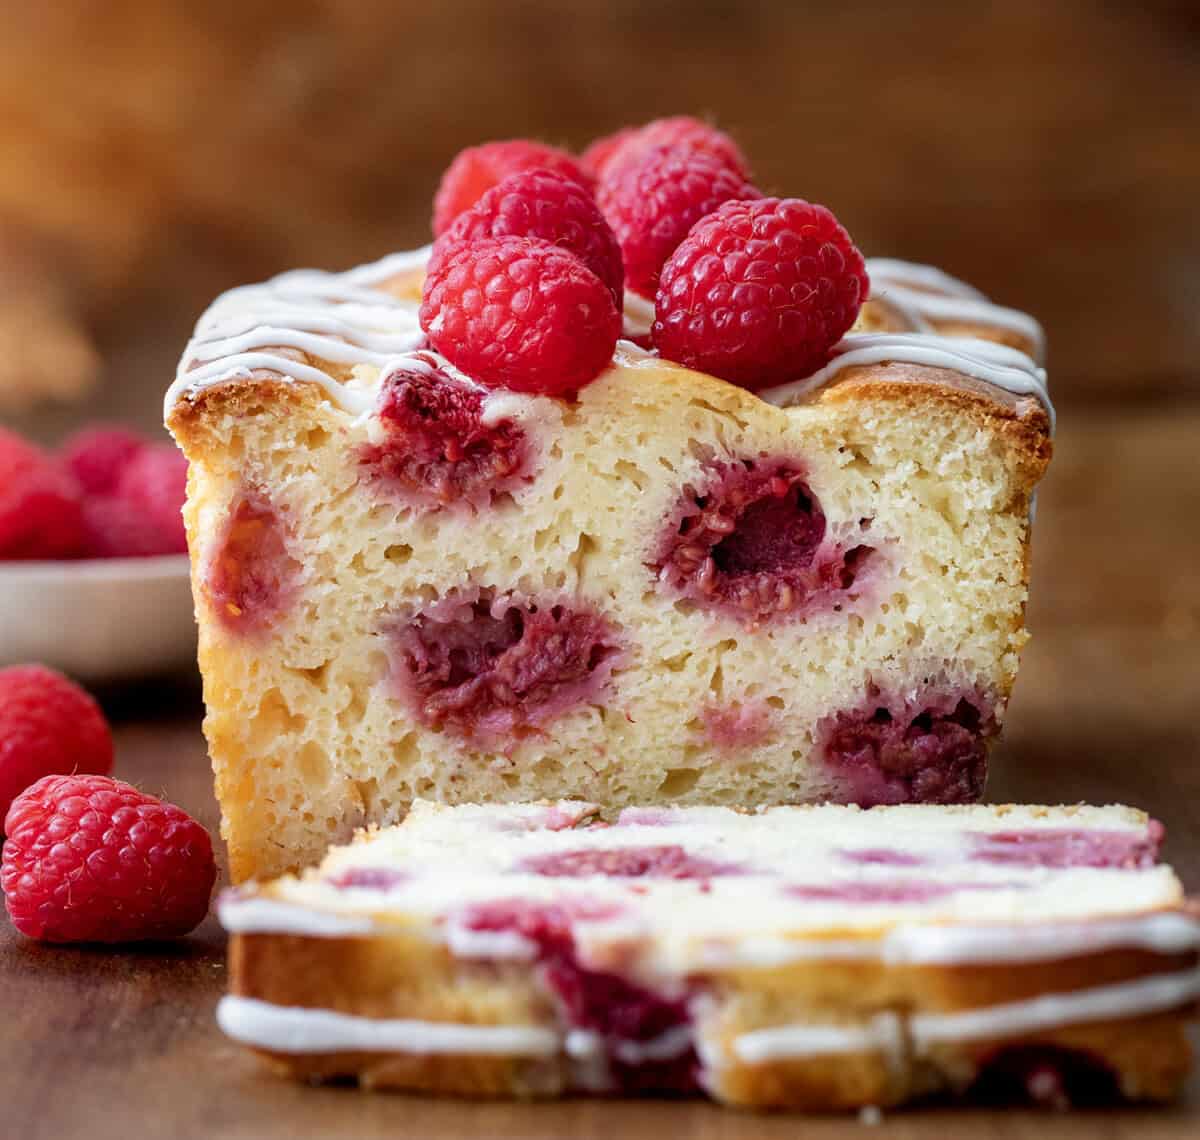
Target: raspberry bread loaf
(804, 957)
(453, 539)
(667, 589)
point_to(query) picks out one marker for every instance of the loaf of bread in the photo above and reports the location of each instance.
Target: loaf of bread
(667, 590)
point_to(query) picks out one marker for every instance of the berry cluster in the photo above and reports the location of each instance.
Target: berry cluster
(87, 858)
(108, 493)
(534, 248)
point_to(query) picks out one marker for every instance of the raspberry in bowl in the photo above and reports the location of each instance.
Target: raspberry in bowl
(93, 562)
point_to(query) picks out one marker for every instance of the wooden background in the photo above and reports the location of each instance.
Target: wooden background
(1050, 152)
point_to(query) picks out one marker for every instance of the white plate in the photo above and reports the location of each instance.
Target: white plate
(112, 619)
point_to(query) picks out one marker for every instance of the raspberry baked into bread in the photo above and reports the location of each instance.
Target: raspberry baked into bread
(463, 531)
(821, 957)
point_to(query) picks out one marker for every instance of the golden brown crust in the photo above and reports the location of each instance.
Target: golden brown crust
(194, 414)
(1020, 421)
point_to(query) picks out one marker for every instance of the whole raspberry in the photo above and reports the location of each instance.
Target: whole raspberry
(39, 504)
(117, 527)
(652, 201)
(595, 158)
(520, 313)
(155, 483)
(48, 725)
(758, 292)
(542, 204)
(97, 455)
(477, 169)
(677, 130)
(92, 859)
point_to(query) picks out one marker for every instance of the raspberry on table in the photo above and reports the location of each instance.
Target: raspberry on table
(477, 169)
(522, 314)
(604, 155)
(759, 291)
(40, 514)
(542, 204)
(97, 455)
(653, 199)
(92, 859)
(48, 725)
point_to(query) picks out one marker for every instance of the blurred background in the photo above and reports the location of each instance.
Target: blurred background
(154, 153)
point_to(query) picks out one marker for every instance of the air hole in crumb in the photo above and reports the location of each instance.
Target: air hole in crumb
(678, 782)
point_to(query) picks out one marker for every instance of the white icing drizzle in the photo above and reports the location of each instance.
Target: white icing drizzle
(1167, 933)
(795, 1042)
(639, 315)
(495, 945)
(376, 272)
(1047, 1011)
(665, 1047)
(346, 320)
(948, 945)
(995, 364)
(258, 915)
(335, 317)
(893, 271)
(931, 296)
(295, 1029)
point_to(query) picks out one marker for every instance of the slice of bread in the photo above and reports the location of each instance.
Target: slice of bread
(667, 590)
(821, 957)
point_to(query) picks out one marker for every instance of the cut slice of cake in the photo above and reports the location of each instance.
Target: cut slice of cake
(667, 588)
(823, 957)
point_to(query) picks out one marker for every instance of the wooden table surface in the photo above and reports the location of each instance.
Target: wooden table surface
(114, 1043)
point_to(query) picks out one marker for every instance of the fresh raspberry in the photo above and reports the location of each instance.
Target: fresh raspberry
(48, 725)
(595, 158)
(520, 313)
(155, 482)
(542, 204)
(40, 515)
(653, 202)
(759, 292)
(678, 130)
(97, 455)
(92, 859)
(477, 169)
(117, 527)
